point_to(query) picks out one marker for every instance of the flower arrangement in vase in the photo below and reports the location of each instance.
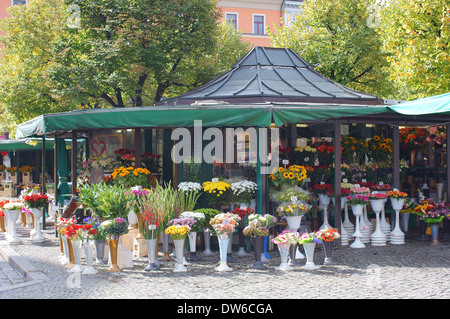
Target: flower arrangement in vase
(189, 193)
(437, 136)
(36, 203)
(284, 241)
(353, 149)
(290, 209)
(217, 192)
(125, 157)
(152, 162)
(224, 224)
(294, 175)
(328, 236)
(243, 191)
(360, 190)
(114, 228)
(309, 242)
(286, 194)
(380, 148)
(131, 176)
(321, 188)
(304, 155)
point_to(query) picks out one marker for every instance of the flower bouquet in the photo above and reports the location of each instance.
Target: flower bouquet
(178, 231)
(304, 155)
(325, 154)
(375, 196)
(396, 194)
(321, 188)
(197, 226)
(328, 234)
(243, 213)
(124, 156)
(243, 191)
(286, 194)
(94, 223)
(131, 176)
(217, 193)
(344, 192)
(189, 195)
(284, 242)
(151, 162)
(258, 225)
(381, 187)
(308, 238)
(289, 177)
(431, 212)
(297, 208)
(26, 169)
(358, 200)
(360, 190)
(35, 201)
(353, 149)
(438, 137)
(412, 139)
(224, 224)
(380, 148)
(114, 228)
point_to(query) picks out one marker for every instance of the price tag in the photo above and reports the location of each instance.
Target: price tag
(345, 180)
(152, 227)
(215, 180)
(285, 162)
(322, 183)
(357, 186)
(364, 181)
(395, 189)
(374, 192)
(381, 183)
(293, 199)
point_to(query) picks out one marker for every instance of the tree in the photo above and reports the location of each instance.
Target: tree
(416, 35)
(123, 53)
(334, 36)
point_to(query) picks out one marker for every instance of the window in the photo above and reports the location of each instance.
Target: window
(232, 19)
(258, 24)
(19, 2)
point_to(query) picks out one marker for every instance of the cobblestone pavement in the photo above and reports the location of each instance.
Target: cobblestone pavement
(415, 270)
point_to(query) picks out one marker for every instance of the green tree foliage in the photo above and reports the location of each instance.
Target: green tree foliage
(336, 39)
(416, 36)
(122, 53)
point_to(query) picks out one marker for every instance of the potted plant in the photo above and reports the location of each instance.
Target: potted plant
(131, 176)
(189, 192)
(217, 193)
(243, 191)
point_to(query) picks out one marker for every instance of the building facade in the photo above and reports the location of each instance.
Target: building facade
(253, 17)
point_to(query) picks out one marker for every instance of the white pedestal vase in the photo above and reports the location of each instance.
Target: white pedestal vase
(366, 219)
(357, 211)
(124, 256)
(207, 237)
(293, 225)
(347, 224)
(309, 252)
(223, 248)
(325, 201)
(284, 256)
(364, 228)
(37, 213)
(384, 225)
(90, 270)
(76, 244)
(193, 246)
(12, 217)
(65, 258)
(179, 254)
(378, 238)
(397, 237)
(151, 248)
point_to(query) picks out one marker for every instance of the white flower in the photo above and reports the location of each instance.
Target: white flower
(189, 186)
(243, 187)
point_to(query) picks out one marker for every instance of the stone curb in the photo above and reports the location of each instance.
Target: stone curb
(22, 265)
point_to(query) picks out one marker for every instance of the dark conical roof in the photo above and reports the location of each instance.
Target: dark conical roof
(273, 75)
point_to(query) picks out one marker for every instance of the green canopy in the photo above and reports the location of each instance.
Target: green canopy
(256, 115)
(63, 170)
(439, 104)
(25, 145)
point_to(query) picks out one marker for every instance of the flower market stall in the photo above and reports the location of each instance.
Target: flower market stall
(337, 143)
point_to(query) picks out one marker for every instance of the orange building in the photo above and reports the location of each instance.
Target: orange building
(252, 17)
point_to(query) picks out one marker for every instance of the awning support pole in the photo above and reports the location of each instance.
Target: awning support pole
(337, 178)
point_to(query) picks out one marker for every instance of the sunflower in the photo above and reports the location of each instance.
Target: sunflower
(376, 138)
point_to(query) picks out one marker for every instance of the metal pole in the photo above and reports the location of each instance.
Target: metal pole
(44, 177)
(137, 147)
(396, 155)
(74, 162)
(337, 177)
(448, 161)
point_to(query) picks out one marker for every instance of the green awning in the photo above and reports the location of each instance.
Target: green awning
(25, 145)
(311, 113)
(438, 104)
(254, 115)
(144, 117)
